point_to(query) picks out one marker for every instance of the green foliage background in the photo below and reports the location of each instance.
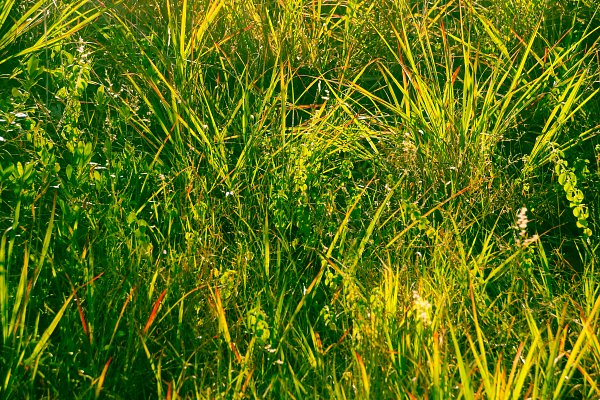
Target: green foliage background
(299, 199)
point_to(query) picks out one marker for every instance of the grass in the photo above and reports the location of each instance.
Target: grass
(301, 199)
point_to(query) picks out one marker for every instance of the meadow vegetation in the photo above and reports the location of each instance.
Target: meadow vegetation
(300, 199)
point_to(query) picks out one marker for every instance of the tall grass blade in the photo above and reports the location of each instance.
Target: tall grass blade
(154, 312)
(43, 341)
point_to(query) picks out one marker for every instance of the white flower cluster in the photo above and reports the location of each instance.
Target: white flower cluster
(422, 308)
(522, 222)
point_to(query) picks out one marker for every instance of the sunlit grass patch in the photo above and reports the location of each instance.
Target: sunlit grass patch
(302, 199)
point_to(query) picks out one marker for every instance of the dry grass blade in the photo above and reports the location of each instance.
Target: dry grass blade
(101, 378)
(154, 312)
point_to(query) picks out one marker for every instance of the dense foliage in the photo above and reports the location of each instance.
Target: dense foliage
(300, 199)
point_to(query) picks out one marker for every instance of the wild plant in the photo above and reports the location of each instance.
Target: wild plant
(303, 199)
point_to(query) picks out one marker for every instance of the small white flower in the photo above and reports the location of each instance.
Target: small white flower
(422, 307)
(522, 219)
(530, 240)
(2, 139)
(270, 349)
